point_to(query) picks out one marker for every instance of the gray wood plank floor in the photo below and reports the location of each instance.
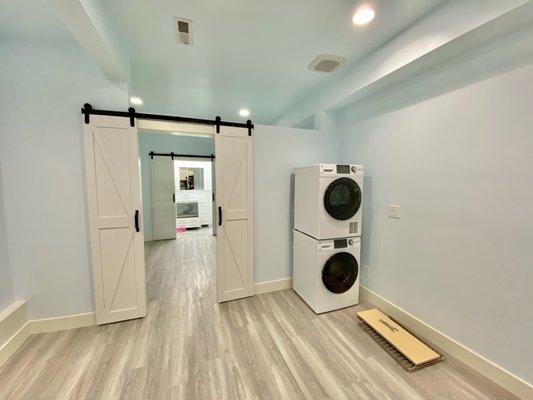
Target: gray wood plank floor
(270, 346)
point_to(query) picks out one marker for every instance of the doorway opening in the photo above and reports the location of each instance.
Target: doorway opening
(194, 194)
(178, 190)
(177, 176)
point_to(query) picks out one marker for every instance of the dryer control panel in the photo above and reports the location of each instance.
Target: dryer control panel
(338, 244)
(340, 169)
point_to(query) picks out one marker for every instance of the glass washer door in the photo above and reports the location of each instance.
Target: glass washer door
(342, 198)
(340, 272)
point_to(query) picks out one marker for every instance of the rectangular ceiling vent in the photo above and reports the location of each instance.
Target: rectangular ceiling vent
(326, 63)
(183, 28)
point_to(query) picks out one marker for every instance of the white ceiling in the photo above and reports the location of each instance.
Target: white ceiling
(246, 53)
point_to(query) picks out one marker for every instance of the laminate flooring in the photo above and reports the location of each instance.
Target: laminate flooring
(271, 346)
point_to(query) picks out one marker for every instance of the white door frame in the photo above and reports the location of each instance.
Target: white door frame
(147, 126)
(213, 204)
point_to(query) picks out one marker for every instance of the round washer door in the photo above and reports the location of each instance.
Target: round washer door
(342, 198)
(340, 272)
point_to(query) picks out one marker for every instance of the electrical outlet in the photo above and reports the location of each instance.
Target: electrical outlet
(394, 211)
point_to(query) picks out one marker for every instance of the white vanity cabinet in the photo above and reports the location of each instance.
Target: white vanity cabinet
(203, 198)
(204, 209)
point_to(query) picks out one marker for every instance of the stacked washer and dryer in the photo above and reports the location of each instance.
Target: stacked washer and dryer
(327, 229)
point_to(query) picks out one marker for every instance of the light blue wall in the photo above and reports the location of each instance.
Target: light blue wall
(460, 257)
(165, 143)
(45, 78)
(7, 294)
(277, 151)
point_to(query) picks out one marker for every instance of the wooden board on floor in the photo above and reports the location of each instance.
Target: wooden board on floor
(412, 348)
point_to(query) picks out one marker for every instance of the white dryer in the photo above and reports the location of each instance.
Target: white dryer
(328, 200)
(326, 272)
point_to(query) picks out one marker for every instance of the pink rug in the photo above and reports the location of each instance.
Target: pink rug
(181, 229)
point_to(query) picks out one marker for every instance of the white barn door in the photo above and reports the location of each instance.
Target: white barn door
(234, 200)
(114, 200)
(163, 198)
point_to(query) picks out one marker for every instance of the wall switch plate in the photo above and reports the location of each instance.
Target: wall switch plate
(394, 211)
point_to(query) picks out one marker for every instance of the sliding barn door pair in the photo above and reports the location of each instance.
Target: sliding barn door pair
(116, 223)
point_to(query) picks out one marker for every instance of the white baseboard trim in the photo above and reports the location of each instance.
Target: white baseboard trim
(13, 329)
(62, 323)
(272, 286)
(495, 373)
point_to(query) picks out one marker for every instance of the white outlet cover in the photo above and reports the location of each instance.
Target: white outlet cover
(394, 211)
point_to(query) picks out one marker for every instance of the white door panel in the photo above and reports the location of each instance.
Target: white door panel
(114, 198)
(234, 197)
(163, 205)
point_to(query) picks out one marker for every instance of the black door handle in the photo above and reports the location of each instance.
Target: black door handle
(173, 197)
(137, 221)
(219, 216)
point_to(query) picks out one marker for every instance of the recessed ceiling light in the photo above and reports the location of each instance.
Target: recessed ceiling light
(244, 112)
(363, 16)
(136, 100)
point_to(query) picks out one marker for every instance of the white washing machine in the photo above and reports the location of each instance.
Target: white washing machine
(326, 272)
(328, 200)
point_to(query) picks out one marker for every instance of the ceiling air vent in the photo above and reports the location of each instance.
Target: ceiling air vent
(326, 63)
(183, 28)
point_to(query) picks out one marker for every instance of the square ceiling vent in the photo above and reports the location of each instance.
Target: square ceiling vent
(183, 29)
(326, 63)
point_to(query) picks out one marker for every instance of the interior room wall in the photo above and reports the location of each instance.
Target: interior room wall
(460, 256)
(44, 84)
(45, 79)
(277, 150)
(7, 294)
(165, 143)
